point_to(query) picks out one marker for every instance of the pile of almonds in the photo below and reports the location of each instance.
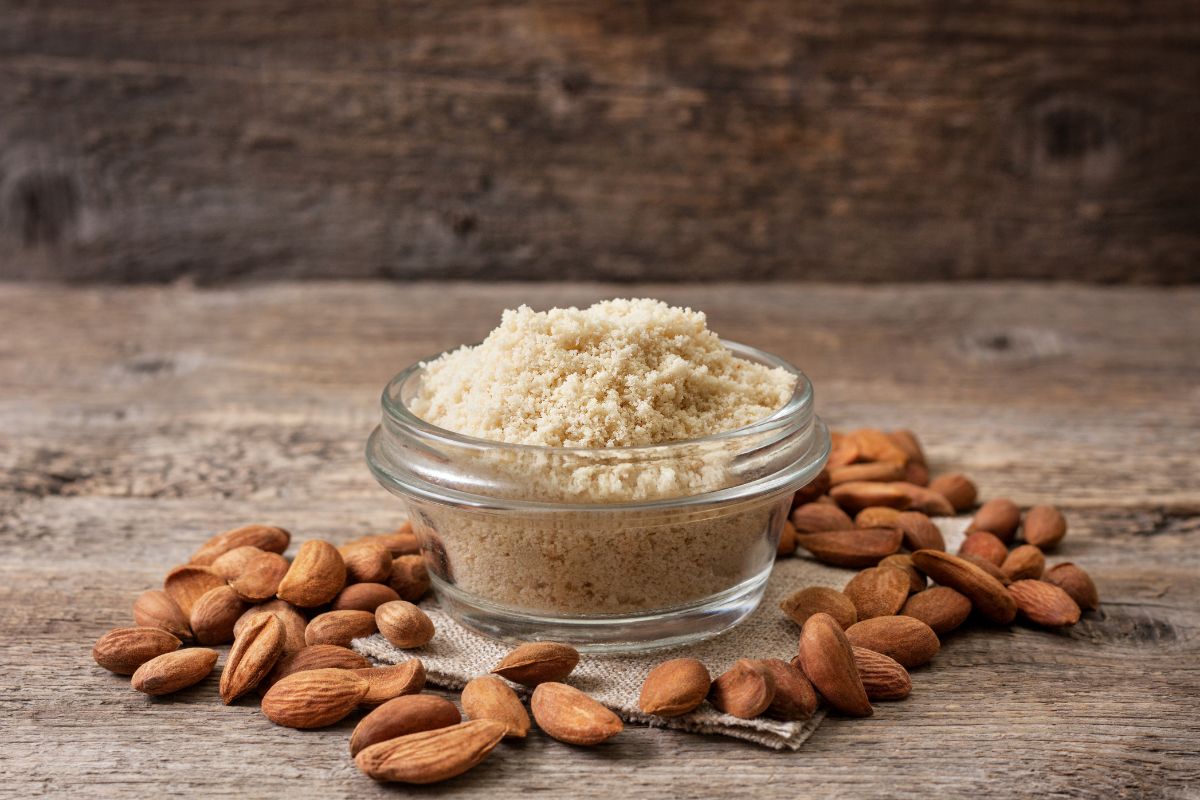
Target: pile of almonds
(290, 624)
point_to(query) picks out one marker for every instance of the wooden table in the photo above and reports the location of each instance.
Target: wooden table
(135, 422)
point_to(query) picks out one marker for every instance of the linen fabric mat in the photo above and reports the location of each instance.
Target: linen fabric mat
(456, 655)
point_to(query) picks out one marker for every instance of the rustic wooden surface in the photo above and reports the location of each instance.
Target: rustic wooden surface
(135, 422)
(708, 139)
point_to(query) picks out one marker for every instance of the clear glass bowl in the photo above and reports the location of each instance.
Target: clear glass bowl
(617, 549)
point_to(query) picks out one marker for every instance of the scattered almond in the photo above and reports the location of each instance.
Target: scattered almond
(1024, 562)
(489, 697)
(828, 662)
(989, 568)
(261, 577)
(675, 687)
(315, 577)
(866, 471)
(313, 698)
(319, 656)
(924, 500)
(293, 623)
(883, 677)
(745, 690)
(215, 614)
(904, 563)
(171, 672)
(1044, 527)
(403, 624)
(957, 488)
(877, 592)
(985, 546)
(876, 517)
(570, 716)
(795, 697)
(919, 531)
(1044, 603)
(941, 608)
(339, 627)
(400, 542)
(804, 603)
(364, 597)
(123, 650)
(231, 564)
(857, 495)
(999, 517)
(264, 537)
(538, 662)
(907, 441)
(367, 562)
(875, 445)
(433, 755)
(409, 577)
(858, 547)
(906, 639)
(404, 715)
(388, 683)
(1075, 582)
(154, 608)
(815, 488)
(819, 517)
(986, 594)
(252, 656)
(787, 540)
(188, 583)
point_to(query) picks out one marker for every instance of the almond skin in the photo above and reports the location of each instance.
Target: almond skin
(400, 542)
(154, 608)
(315, 577)
(264, 537)
(409, 578)
(233, 563)
(675, 687)
(813, 489)
(339, 627)
(123, 650)
(857, 495)
(795, 697)
(1023, 563)
(877, 592)
(489, 697)
(999, 517)
(941, 608)
(986, 594)
(431, 756)
(367, 562)
(570, 716)
(918, 531)
(883, 677)
(215, 614)
(745, 690)
(957, 488)
(171, 672)
(858, 547)
(188, 583)
(1044, 603)
(907, 441)
(924, 500)
(364, 597)
(828, 662)
(875, 445)
(989, 568)
(403, 624)
(319, 656)
(313, 698)
(819, 599)
(1074, 581)
(905, 639)
(261, 577)
(984, 545)
(293, 623)
(252, 656)
(904, 563)
(388, 683)
(787, 540)
(876, 517)
(402, 716)
(885, 471)
(538, 662)
(1044, 527)
(819, 517)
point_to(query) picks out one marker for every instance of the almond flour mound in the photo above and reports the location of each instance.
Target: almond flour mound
(620, 373)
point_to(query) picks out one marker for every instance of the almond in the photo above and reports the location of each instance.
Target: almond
(404, 715)
(123, 650)
(941, 608)
(795, 697)
(293, 623)
(827, 660)
(319, 656)
(818, 517)
(233, 563)
(957, 488)
(906, 639)
(924, 500)
(1045, 527)
(985, 546)
(904, 563)
(787, 540)
(186, 585)
(907, 441)
(388, 683)
(916, 474)
(858, 547)
(367, 562)
(675, 687)
(989, 568)
(1075, 582)
(1044, 603)
(252, 656)
(1024, 562)
(813, 489)
(403, 624)
(409, 578)
(154, 608)
(431, 756)
(857, 495)
(866, 471)
(261, 577)
(489, 697)
(843, 451)
(171, 672)
(537, 662)
(313, 698)
(215, 614)
(999, 517)
(315, 577)
(400, 542)
(919, 531)
(339, 627)
(875, 445)
(986, 594)
(745, 690)
(364, 597)
(883, 677)
(820, 600)
(570, 716)
(264, 537)
(877, 592)
(876, 517)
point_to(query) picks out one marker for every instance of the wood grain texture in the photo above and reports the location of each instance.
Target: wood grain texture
(702, 140)
(136, 422)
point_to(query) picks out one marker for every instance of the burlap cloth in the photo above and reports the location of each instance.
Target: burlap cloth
(456, 655)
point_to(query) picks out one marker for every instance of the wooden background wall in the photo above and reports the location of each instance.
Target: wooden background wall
(665, 139)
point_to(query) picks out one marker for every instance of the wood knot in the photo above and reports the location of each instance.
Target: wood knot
(1011, 344)
(1072, 136)
(41, 206)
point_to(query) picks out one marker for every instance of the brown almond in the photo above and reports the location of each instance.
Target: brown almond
(957, 488)
(866, 471)
(924, 500)
(400, 542)
(261, 577)
(313, 698)
(215, 614)
(907, 441)
(570, 716)
(537, 662)
(804, 603)
(293, 622)
(999, 516)
(319, 656)
(154, 608)
(819, 517)
(231, 564)
(876, 517)
(989, 568)
(404, 715)
(916, 474)
(919, 531)
(315, 577)
(1044, 527)
(941, 608)
(339, 627)
(1044, 603)
(252, 656)
(745, 690)
(674, 687)
(857, 495)
(795, 697)
(883, 677)
(1024, 562)
(858, 547)
(815, 488)
(364, 597)
(367, 562)
(875, 445)
(828, 662)
(388, 683)
(433, 755)
(986, 594)
(843, 451)
(904, 563)
(985, 546)
(188, 583)
(123, 650)
(409, 578)
(171, 672)
(906, 639)
(403, 624)
(264, 537)
(877, 592)
(489, 697)
(787, 540)
(1074, 581)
